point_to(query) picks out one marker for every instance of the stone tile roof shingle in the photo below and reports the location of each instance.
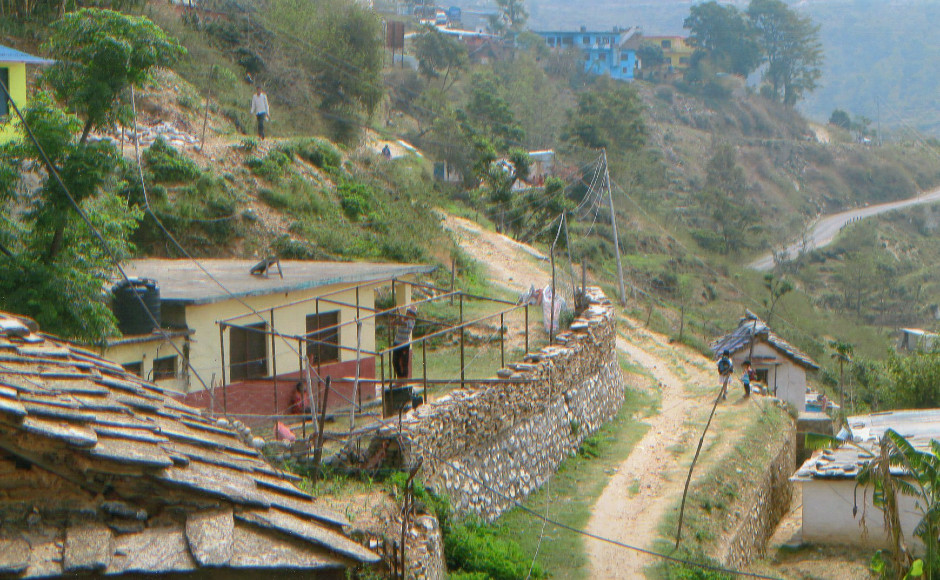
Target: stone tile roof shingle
(751, 326)
(104, 472)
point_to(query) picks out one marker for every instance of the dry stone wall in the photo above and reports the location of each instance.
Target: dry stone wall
(769, 502)
(496, 443)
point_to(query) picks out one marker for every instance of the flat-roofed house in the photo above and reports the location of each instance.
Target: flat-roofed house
(830, 492)
(252, 332)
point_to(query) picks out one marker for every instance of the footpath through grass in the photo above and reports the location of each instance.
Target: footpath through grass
(572, 491)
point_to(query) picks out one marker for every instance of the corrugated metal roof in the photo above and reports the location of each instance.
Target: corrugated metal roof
(751, 327)
(8, 54)
(105, 472)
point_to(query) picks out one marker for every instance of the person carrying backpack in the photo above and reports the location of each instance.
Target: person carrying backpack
(725, 370)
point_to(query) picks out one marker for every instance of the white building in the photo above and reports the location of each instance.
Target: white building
(779, 365)
(835, 511)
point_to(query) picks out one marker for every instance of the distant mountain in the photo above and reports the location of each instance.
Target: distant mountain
(877, 51)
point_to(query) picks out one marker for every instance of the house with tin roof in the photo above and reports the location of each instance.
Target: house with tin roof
(106, 474)
(252, 332)
(13, 76)
(778, 364)
(835, 511)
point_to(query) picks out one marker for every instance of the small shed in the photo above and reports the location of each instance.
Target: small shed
(105, 474)
(829, 487)
(911, 339)
(778, 364)
(13, 76)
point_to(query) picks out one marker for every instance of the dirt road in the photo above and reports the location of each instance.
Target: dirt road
(826, 229)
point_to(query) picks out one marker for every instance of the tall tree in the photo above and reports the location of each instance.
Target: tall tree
(777, 288)
(61, 289)
(842, 353)
(609, 116)
(725, 36)
(100, 53)
(440, 56)
(791, 45)
(511, 17)
(491, 112)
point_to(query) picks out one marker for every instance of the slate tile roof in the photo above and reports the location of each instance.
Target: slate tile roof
(752, 326)
(101, 471)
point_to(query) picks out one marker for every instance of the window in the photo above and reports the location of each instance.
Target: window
(587, 56)
(134, 368)
(586, 40)
(683, 60)
(567, 41)
(667, 44)
(326, 347)
(248, 351)
(762, 375)
(4, 103)
(164, 368)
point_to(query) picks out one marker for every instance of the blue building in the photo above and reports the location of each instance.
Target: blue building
(608, 53)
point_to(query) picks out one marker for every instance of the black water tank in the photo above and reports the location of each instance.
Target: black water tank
(131, 315)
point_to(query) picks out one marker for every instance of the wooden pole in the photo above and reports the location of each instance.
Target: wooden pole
(613, 223)
(462, 339)
(318, 451)
(274, 362)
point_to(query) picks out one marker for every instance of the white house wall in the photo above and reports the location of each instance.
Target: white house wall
(827, 515)
(788, 378)
(205, 352)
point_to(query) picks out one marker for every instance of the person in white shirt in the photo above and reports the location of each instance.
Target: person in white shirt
(259, 108)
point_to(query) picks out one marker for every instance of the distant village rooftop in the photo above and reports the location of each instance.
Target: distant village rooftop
(184, 282)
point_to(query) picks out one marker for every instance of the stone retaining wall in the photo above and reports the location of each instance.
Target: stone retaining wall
(769, 501)
(511, 437)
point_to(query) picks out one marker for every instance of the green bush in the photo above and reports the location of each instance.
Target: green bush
(300, 196)
(470, 547)
(166, 165)
(319, 153)
(271, 167)
(356, 199)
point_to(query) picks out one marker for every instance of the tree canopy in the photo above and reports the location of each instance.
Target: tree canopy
(440, 56)
(511, 18)
(726, 35)
(791, 46)
(56, 267)
(99, 54)
(609, 116)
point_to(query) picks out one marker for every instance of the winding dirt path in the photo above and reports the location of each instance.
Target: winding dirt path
(648, 482)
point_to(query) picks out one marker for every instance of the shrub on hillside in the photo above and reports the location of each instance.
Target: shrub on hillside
(167, 165)
(356, 199)
(271, 167)
(320, 153)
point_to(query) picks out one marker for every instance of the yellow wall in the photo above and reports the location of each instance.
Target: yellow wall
(17, 90)
(205, 352)
(146, 352)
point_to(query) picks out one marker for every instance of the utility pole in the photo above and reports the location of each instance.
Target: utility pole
(613, 223)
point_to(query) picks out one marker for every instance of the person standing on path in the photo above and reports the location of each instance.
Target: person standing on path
(725, 370)
(748, 376)
(401, 342)
(260, 109)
